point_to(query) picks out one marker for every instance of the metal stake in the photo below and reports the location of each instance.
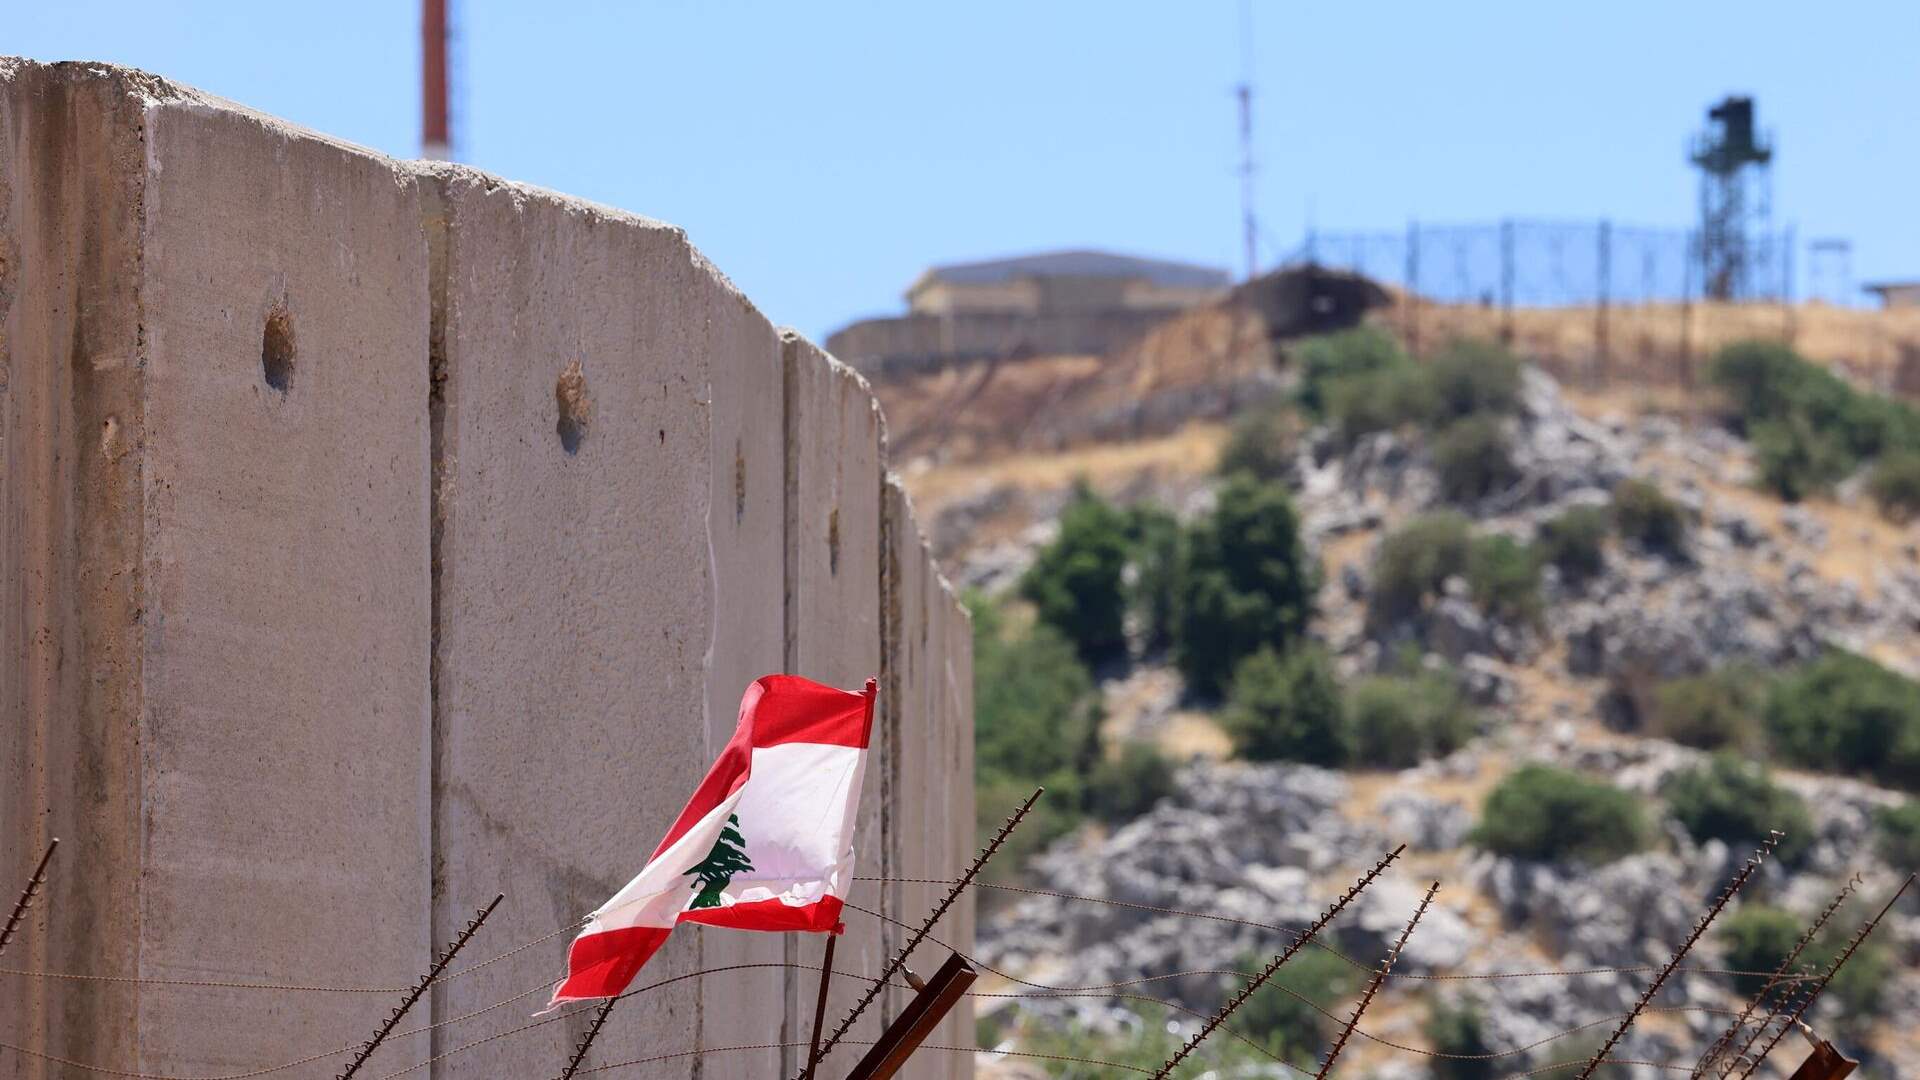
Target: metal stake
(1273, 965)
(1699, 928)
(1719, 1048)
(38, 879)
(1826, 977)
(820, 1006)
(926, 925)
(916, 1022)
(1373, 984)
(413, 995)
(586, 1041)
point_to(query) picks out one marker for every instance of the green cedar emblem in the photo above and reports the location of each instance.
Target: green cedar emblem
(728, 857)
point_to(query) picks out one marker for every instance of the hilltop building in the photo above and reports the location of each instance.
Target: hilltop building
(1054, 303)
(1896, 294)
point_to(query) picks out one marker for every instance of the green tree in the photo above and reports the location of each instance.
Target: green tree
(1473, 379)
(1285, 1014)
(1357, 353)
(1472, 459)
(1154, 537)
(1412, 563)
(1895, 485)
(1247, 583)
(1732, 799)
(1076, 580)
(1900, 834)
(1845, 713)
(1287, 708)
(1797, 460)
(1547, 814)
(1643, 513)
(1396, 721)
(728, 857)
(1756, 939)
(1127, 784)
(1575, 542)
(1504, 576)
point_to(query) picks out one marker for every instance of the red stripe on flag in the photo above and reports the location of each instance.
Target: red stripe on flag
(601, 965)
(777, 709)
(819, 917)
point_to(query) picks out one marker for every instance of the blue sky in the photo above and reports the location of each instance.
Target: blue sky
(823, 153)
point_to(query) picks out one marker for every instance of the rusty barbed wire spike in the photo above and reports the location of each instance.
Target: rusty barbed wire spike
(1373, 984)
(1259, 979)
(34, 883)
(1699, 928)
(439, 965)
(1720, 1046)
(586, 1040)
(899, 959)
(1820, 986)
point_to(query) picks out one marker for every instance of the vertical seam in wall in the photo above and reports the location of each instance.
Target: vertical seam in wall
(790, 637)
(434, 224)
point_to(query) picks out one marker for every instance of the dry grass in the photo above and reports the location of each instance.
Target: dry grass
(1191, 451)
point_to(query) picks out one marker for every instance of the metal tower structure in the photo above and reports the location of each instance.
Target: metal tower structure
(1736, 199)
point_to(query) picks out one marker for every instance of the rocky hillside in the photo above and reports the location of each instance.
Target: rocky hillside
(1654, 614)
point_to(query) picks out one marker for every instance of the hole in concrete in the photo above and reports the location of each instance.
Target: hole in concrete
(576, 408)
(833, 541)
(276, 349)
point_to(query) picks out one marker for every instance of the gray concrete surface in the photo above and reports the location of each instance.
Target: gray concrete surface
(337, 598)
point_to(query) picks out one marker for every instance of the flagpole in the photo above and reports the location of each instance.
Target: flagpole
(820, 1004)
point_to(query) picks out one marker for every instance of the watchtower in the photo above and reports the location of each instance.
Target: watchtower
(1736, 198)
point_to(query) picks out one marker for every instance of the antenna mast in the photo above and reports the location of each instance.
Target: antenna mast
(435, 143)
(1244, 92)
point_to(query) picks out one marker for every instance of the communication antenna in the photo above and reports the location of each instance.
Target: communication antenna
(436, 140)
(1244, 92)
(1736, 198)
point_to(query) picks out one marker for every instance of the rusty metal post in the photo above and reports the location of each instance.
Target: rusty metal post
(1699, 929)
(1825, 1063)
(1373, 984)
(899, 959)
(924, 1013)
(820, 1007)
(1265, 973)
(20, 907)
(439, 965)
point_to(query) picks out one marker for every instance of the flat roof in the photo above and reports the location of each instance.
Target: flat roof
(1079, 264)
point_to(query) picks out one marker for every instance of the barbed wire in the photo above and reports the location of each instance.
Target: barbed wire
(1637, 969)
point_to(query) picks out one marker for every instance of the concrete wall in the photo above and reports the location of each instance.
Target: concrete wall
(376, 537)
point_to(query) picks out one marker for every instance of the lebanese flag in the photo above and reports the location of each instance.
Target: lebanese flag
(766, 842)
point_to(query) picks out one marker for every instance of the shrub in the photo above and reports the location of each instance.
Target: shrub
(1643, 513)
(1358, 405)
(1797, 460)
(1035, 723)
(1287, 708)
(1732, 799)
(1715, 711)
(1075, 581)
(1398, 721)
(1473, 379)
(1505, 578)
(1472, 461)
(1261, 443)
(1900, 834)
(1845, 713)
(1756, 939)
(1575, 542)
(1547, 814)
(1356, 353)
(1895, 485)
(1763, 380)
(1126, 785)
(1413, 562)
(1289, 1027)
(1457, 1029)
(1246, 583)
(1153, 535)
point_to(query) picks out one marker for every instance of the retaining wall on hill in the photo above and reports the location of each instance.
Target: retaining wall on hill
(380, 536)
